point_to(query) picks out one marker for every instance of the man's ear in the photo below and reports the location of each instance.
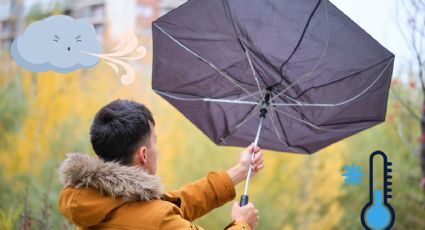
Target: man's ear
(142, 155)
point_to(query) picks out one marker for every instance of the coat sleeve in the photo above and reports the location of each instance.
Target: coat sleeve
(200, 197)
(173, 220)
(238, 225)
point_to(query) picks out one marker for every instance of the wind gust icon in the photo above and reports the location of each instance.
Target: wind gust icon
(128, 49)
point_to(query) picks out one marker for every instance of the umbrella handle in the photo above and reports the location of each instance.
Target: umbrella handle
(244, 200)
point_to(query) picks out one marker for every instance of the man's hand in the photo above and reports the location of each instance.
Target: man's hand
(247, 214)
(239, 172)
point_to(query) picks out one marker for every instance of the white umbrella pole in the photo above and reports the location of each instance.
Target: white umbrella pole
(244, 197)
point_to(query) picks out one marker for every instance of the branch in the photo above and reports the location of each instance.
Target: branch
(417, 38)
(422, 3)
(406, 106)
(420, 75)
(418, 4)
(403, 137)
(398, 22)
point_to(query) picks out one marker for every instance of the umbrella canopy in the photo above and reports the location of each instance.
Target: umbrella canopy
(314, 75)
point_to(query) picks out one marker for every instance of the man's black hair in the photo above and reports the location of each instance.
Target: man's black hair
(119, 128)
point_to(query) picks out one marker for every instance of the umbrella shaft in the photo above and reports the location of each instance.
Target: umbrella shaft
(253, 155)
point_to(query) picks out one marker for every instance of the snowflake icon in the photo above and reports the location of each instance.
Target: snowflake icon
(352, 174)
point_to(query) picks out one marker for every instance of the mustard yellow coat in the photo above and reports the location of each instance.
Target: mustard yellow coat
(107, 195)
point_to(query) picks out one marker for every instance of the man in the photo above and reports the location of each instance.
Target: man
(119, 189)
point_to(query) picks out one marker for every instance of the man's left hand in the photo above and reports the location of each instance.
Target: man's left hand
(239, 172)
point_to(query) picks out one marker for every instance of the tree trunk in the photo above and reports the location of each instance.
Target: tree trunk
(422, 149)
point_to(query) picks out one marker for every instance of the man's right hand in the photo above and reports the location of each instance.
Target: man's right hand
(247, 214)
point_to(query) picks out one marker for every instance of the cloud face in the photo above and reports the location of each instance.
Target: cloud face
(55, 44)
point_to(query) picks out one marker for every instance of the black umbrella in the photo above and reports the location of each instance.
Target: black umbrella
(300, 70)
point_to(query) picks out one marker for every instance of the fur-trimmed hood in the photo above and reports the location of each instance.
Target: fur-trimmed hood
(131, 183)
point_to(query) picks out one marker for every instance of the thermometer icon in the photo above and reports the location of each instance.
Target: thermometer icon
(378, 213)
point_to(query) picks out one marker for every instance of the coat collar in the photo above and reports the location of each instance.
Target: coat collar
(131, 183)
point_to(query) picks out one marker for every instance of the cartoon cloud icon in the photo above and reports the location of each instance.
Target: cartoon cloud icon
(57, 43)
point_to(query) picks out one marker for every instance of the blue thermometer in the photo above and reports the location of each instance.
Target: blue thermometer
(378, 213)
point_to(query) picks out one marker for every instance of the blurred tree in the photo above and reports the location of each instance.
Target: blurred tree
(38, 12)
(12, 113)
(415, 39)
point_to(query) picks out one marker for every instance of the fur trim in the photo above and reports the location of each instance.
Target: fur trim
(131, 183)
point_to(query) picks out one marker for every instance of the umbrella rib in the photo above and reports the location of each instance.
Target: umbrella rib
(389, 58)
(252, 68)
(277, 132)
(302, 35)
(284, 132)
(237, 32)
(292, 99)
(318, 62)
(299, 103)
(316, 126)
(245, 119)
(219, 100)
(246, 96)
(228, 77)
(231, 101)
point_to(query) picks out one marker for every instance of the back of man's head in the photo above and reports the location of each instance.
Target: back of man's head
(119, 128)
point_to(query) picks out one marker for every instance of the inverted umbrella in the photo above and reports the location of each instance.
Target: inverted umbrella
(300, 70)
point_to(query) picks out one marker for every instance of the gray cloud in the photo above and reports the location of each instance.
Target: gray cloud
(54, 44)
